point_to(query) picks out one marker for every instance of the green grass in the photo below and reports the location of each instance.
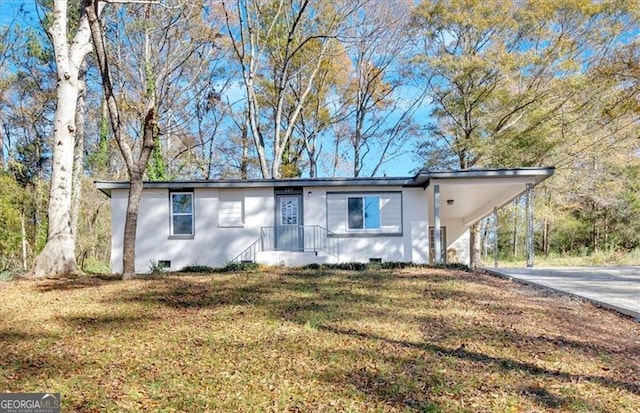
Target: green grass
(603, 258)
(310, 340)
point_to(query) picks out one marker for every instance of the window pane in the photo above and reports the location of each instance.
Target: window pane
(289, 211)
(182, 224)
(182, 203)
(354, 210)
(372, 212)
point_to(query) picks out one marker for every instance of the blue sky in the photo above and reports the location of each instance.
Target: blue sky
(401, 165)
(9, 10)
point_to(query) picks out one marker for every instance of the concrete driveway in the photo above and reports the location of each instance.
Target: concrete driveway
(617, 288)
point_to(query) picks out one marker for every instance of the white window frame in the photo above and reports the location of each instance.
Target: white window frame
(364, 206)
(192, 214)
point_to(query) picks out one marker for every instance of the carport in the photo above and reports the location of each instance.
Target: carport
(461, 198)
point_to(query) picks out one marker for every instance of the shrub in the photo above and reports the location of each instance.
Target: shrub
(232, 266)
(197, 268)
(10, 221)
(346, 266)
(156, 267)
(388, 265)
(5, 275)
(392, 265)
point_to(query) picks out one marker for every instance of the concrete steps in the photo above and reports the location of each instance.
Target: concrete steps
(294, 258)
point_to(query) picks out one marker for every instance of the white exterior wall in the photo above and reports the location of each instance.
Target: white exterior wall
(458, 242)
(211, 244)
(416, 225)
(460, 247)
(458, 238)
(412, 245)
(214, 243)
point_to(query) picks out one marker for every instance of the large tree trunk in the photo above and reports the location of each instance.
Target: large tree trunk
(136, 168)
(131, 226)
(58, 255)
(136, 177)
(78, 153)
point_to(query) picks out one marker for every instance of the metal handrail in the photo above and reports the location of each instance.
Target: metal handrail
(313, 238)
(249, 254)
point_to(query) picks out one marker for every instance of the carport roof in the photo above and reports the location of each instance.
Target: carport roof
(422, 179)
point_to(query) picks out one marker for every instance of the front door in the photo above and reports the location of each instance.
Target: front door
(289, 231)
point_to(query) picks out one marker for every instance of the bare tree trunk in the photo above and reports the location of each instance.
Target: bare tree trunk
(247, 42)
(356, 142)
(596, 246)
(58, 255)
(515, 233)
(336, 157)
(23, 237)
(356, 161)
(475, 258)
(130, 227)
(78, 152)
(545, 237)
(313, 164)
(2, 163)
(135, 168)
(485, 237)
(244, 162)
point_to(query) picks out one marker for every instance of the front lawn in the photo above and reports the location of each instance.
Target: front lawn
(314, 340)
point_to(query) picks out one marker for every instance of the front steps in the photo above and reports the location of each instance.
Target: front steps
(293, 258)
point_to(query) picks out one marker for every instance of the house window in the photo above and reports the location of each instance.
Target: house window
(363, 212)
(182, 213)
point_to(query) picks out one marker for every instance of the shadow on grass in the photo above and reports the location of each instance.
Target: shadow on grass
(544, 398)
(486, 360)
(387, 388)
(21, 364)
(106, 322)
(304, 296)
(300, 296)
(76, 282)
(438, 328)
(13, 335)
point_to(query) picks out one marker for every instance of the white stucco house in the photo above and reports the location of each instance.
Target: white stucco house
(319, 220)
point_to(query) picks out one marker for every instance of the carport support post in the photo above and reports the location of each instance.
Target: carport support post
(436, 230)
(495, 237)
(529, 210)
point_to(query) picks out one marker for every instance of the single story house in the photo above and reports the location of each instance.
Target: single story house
(422, 219)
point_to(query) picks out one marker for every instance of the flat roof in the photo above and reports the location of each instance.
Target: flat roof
(544, 172)
(420, 180)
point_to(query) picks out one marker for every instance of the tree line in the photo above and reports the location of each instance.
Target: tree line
(159, 90)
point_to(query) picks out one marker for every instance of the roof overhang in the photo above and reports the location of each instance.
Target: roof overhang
(469, 196)
(535, 174)
(464, 179)
(107, 186)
